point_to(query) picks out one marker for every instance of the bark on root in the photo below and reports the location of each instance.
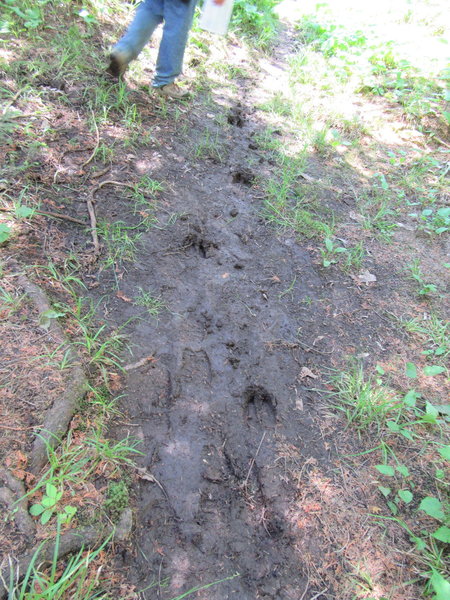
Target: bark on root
(58, 417)
(68, 543)
(13, 495)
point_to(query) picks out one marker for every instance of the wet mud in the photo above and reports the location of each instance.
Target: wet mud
(246, 310)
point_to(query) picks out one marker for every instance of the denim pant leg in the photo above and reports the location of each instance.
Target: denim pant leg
(178, 18)
(149, 14)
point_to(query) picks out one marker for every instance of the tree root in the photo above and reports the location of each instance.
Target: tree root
(13, 495)
(73, 540)
(58, 417)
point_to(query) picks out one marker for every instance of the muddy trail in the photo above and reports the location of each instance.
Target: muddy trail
(228, 396)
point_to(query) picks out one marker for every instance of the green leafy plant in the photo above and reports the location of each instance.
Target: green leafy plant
(5, 233)
(48, 506)
(425, 289)
(331, 252)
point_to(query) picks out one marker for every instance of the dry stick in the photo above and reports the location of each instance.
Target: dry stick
(252, 462)
(97, 143)
(51, 214)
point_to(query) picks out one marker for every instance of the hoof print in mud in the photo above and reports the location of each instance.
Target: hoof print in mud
(205, 248)
(260, 405)
(236, 117)
(243, 176)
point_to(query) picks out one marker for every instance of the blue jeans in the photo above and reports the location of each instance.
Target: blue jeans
(177, 18)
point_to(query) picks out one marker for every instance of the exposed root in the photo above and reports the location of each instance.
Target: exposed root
(13, 495)
(58, 417)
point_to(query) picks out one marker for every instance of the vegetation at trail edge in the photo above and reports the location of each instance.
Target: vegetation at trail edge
(327, 125)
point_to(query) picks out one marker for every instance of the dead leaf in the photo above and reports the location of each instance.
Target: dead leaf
(299, 403)
(356, 216)
(305, 372)
(366, 277)
(312, 507)
(122, 296)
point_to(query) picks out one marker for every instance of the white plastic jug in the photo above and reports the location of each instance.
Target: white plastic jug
(215, 18)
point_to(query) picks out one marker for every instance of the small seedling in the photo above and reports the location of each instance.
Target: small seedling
(330, 252)
(153, 304)
(49, 505)
(425, 289)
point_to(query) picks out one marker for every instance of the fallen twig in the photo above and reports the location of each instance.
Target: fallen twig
(51, 214)
(97, 143)
(252, 462)
(90, 206)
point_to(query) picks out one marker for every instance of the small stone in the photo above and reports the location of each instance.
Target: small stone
(234, 212)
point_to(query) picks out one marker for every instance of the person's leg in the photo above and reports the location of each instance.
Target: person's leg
(178, 18)
(149, 14)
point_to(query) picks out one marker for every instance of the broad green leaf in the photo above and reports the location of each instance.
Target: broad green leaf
(433, 370)
(328, 244)
(403, 470)
(432, 507)
(405, 495)
(36, 510)
(411, 398)
(442, 534)
(46, 516)
(379, 370)
(385, 470)
(326, 263)
(384, 490)
(439, 474)
(441, 586)
(47, 501)
(419, 542)
(407, 434)
(5, 232)
(443, 409)
(393, 507)
(411, 370)
(431, 410)
(22, 212)
(70, 510)
(393, 426)
(445, 452)
(50, 489)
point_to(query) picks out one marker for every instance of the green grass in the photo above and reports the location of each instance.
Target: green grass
(433, 332)
(256, 21)
(153, 304)
(366, 404)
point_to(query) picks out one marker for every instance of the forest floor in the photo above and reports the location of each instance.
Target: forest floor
(258, 326)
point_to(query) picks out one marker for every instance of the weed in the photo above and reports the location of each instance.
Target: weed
(424, 289)
(434, 221)
(117, 499)
(365, 403)
(209, 146)
(120, 243)
(153, 304)
(49, 505)
(354, 257)
(434, 333)
(74, 581)
(10, 302)
(256, 21)
(330, 252)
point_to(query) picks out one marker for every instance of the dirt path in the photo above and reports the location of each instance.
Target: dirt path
(250, 319)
